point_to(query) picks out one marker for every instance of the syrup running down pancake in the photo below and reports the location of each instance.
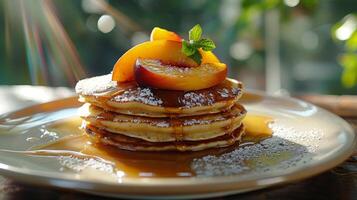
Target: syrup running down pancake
(129, 98)
(191, 128)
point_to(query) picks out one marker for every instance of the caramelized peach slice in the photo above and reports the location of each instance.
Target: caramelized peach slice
(163, 34)
(166, 51)
(153, 73)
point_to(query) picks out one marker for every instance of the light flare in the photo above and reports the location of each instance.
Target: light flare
(52, 58)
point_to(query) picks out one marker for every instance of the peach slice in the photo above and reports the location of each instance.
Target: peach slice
(163, 34)
(153, 73)
(168, 52)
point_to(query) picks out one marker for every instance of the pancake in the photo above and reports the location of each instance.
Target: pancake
(191, 128)
(134, 144)
(137, 118)
(132, 99)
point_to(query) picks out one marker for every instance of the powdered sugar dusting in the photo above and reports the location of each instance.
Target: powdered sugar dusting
(79, 164)
(139, 94)
(103, 86)
(286, 149)
(193, 121)
(96, 85)
(224, 92)
(192, 99)
(162, 123)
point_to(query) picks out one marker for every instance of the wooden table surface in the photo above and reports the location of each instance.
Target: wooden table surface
(338, 183)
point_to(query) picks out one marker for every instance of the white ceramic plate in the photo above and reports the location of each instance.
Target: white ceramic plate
(306, 141)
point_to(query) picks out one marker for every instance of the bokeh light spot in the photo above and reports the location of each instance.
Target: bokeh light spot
(345, 31)
(291, 3)
(92, 6)
(106, 23)
(241, 50)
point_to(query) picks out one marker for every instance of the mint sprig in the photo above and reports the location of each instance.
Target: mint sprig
(190, 48)
(195, 33)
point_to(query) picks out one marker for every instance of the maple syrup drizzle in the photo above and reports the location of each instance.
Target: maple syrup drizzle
(178, 131)
(170, 98)
(136, 164)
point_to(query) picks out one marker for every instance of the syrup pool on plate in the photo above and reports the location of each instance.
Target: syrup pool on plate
(78, 147)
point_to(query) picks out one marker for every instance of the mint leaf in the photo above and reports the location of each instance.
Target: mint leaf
(191, 47)
(196, 57)
(187, 48)
(205, 44)
(195, 33)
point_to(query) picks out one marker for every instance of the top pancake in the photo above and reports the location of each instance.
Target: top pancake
(130, 98)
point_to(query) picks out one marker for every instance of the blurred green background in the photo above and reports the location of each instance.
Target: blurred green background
(281, 46)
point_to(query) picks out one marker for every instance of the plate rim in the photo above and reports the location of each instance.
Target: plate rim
(225, 183)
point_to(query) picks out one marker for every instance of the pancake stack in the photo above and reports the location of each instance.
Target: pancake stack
(137, 118)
